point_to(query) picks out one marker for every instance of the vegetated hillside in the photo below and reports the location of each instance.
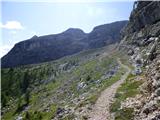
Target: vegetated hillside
(52, 47)
(67, 89)
(64, 89)
(138, 97)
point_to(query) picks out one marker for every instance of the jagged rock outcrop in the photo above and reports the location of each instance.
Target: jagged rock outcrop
(141, 37)
(144, 13)
(52, 47)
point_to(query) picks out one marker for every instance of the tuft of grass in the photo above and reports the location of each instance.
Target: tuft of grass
(125, 114)
(115, 105)
(51, 114)
(92, 99)
(40, 115)
(69, 117)
(9, 115)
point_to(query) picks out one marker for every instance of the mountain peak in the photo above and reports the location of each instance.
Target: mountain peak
(74, 30)
(35, 36)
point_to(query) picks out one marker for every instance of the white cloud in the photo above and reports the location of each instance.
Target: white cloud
(12, 25)
(4, 49)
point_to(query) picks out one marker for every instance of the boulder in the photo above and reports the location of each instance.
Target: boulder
(158, 92)
(157, 76)
(130, 52)
(150, 107)
(81, 85)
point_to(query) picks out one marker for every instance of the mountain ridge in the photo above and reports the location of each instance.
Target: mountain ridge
(73, 40)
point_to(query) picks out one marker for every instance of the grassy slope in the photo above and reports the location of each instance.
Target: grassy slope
(50, 87)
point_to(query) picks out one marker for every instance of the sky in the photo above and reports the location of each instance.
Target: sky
(20, 20)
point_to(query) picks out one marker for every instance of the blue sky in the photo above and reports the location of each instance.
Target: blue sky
(22, 20)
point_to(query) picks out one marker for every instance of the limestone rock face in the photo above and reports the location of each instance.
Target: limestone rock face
(144, 13)
(141, 37)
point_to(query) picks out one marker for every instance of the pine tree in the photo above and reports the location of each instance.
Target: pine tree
(25, 82)
(27, 96)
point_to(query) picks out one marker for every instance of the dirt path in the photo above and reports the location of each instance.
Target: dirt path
(101, 108)
(110, 51)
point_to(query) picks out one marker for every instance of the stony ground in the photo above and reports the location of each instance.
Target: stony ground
(101, 108)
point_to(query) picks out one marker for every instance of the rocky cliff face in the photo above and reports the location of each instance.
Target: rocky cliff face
(141, 37)
(44, 48)
(105, 34)
(52, 47)
(144, 13)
